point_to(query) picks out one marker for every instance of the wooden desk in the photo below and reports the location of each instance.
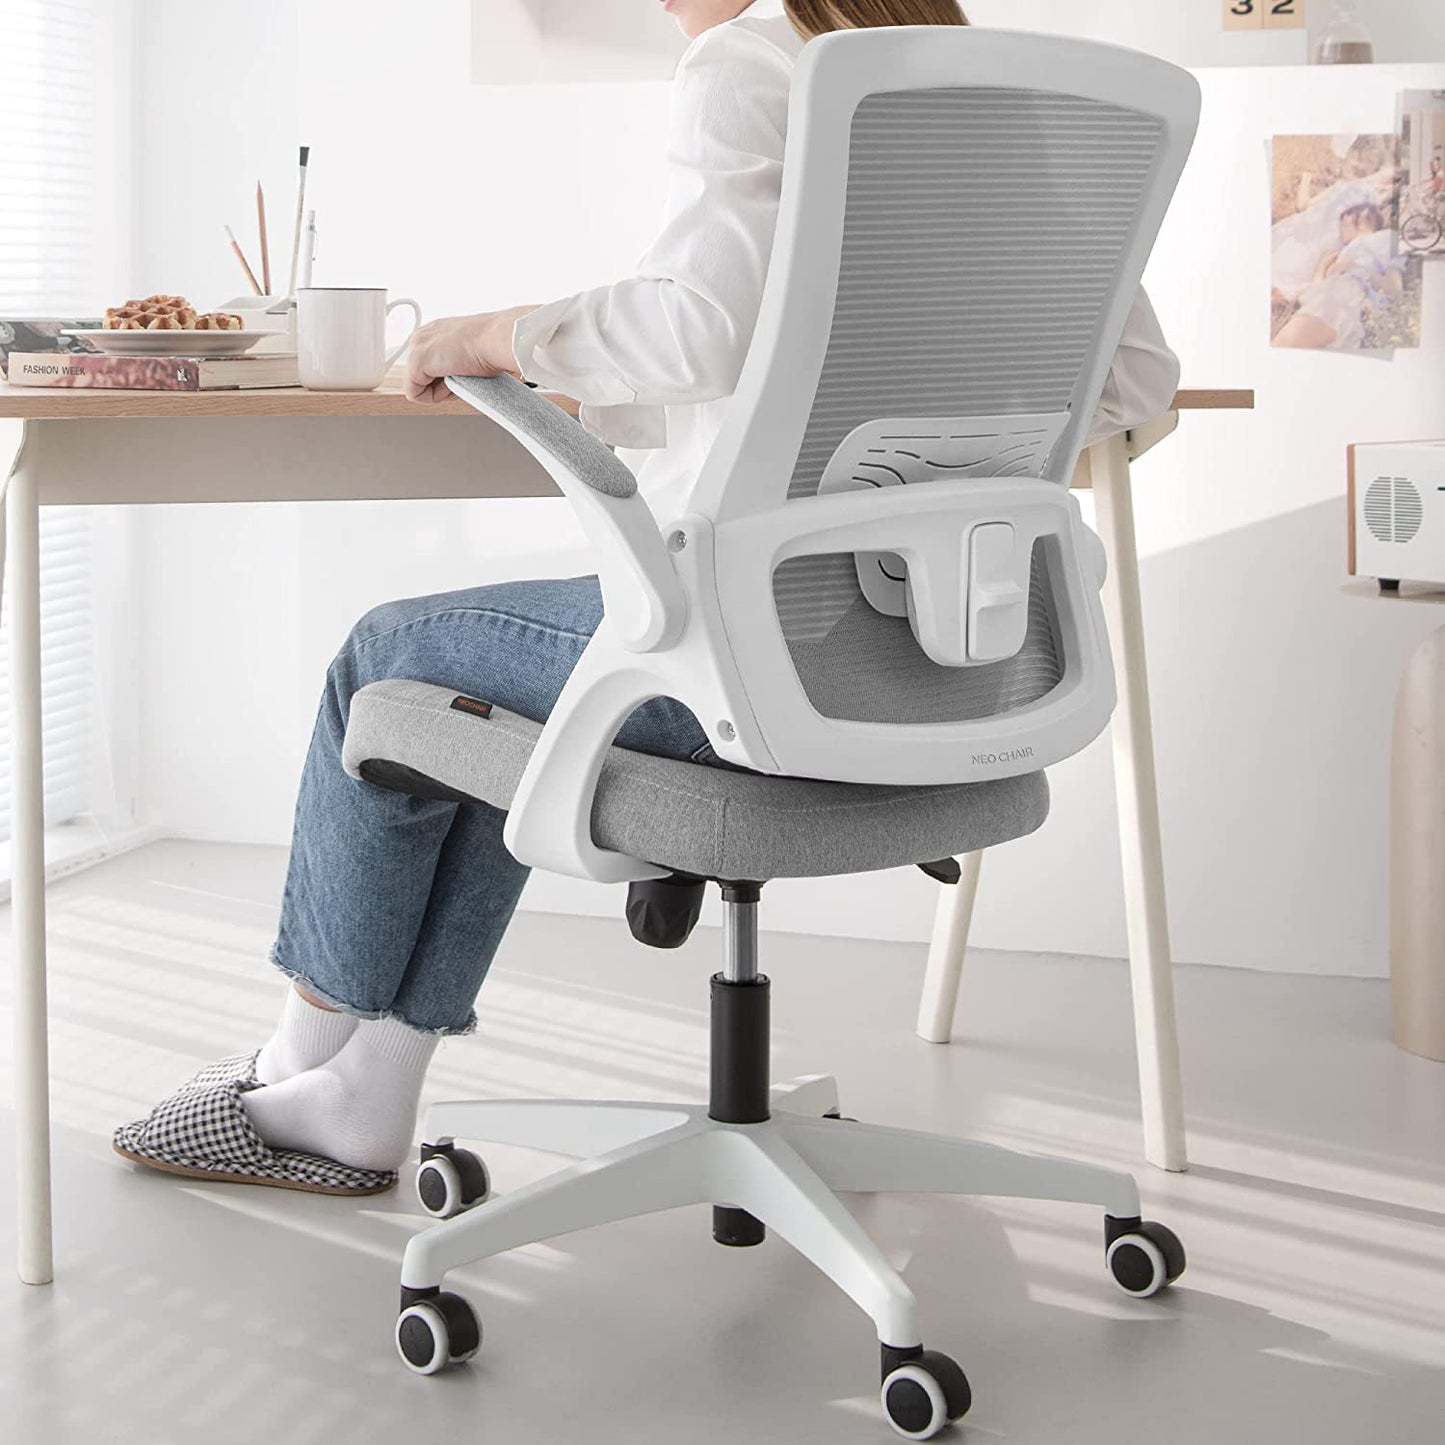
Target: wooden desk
(64, 404)
(97, 447)
(1105, 468)
(104, 447)
(60, 403)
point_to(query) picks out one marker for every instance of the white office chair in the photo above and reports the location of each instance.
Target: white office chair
(966, 216)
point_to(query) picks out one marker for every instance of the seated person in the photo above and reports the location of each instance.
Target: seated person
(394, 906)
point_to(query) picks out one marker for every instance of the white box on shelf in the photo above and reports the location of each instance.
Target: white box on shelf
(1397, 511)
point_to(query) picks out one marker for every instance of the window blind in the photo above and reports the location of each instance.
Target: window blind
(48, 156)
(67, 669)
(49, 266)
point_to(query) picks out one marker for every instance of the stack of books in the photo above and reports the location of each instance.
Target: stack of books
(34, 353)
(151, 373)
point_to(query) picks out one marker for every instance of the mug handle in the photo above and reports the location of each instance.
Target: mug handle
(415, 327)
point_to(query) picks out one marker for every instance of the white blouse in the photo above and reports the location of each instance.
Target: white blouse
(654, 359)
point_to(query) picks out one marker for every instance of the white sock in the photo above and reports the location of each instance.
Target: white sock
(305, 1038)
(359, 1108)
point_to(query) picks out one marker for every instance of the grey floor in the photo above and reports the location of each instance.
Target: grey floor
(1313, 1310)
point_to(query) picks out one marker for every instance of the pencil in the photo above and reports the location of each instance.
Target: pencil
(265, 243)
(245, 265)
(300, 214)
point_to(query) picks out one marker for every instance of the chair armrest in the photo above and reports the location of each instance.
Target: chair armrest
(549, 824)
(641, 592)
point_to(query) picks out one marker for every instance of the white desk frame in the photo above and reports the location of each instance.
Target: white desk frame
(258, 448)
(98, 448)
(1105, 467)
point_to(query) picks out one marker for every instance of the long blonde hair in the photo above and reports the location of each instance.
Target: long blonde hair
(816, 17)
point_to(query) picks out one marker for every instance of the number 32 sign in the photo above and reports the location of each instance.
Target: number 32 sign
(1264, 14)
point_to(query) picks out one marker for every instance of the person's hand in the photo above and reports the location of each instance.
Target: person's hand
(461, 346)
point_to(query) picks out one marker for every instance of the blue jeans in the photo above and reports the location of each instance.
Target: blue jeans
(395, 905)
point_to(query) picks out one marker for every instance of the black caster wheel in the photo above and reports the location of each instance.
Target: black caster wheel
(923, 1394)
(436, 1332)
(1144, 1257)
(451, 1180)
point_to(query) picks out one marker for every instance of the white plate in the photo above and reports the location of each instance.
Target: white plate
(171, 343)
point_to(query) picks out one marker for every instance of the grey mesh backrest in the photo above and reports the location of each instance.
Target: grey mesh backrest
(966, 219)
(982, 242)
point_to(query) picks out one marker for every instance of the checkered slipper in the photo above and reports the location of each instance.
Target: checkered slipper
(205, 1133)
(238, 1069)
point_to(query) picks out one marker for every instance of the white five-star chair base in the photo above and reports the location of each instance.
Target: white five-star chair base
(764, 1158)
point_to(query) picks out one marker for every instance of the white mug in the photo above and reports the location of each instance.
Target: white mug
(341, 336)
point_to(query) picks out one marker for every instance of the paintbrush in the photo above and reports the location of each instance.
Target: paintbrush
(300, 214)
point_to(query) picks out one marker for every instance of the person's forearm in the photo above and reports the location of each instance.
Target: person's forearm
(647, 340)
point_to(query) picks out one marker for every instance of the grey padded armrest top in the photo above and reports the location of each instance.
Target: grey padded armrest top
(550, 428)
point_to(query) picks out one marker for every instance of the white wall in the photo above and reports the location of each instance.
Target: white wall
(247, 604)
(1272, 693)
(1190, 32)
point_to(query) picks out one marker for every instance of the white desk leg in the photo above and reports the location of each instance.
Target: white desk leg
(945, 954)
(1150, 964)
(27, 897)
(1417, 850)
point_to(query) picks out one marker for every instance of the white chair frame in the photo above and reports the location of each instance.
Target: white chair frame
(689, 613)
(688, 593)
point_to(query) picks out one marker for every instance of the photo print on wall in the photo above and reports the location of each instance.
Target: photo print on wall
(1422, 157)
(1340, 278)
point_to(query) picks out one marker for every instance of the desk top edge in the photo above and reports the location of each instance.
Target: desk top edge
(42, 403)
(21, 403)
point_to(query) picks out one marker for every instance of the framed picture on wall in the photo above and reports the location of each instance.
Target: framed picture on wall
(1340, 279)
(1422, 157)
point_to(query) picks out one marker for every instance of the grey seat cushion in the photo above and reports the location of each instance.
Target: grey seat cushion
(710, 821)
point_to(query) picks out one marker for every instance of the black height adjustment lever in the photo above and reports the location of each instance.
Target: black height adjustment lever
(662, 912)
(946, 870)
